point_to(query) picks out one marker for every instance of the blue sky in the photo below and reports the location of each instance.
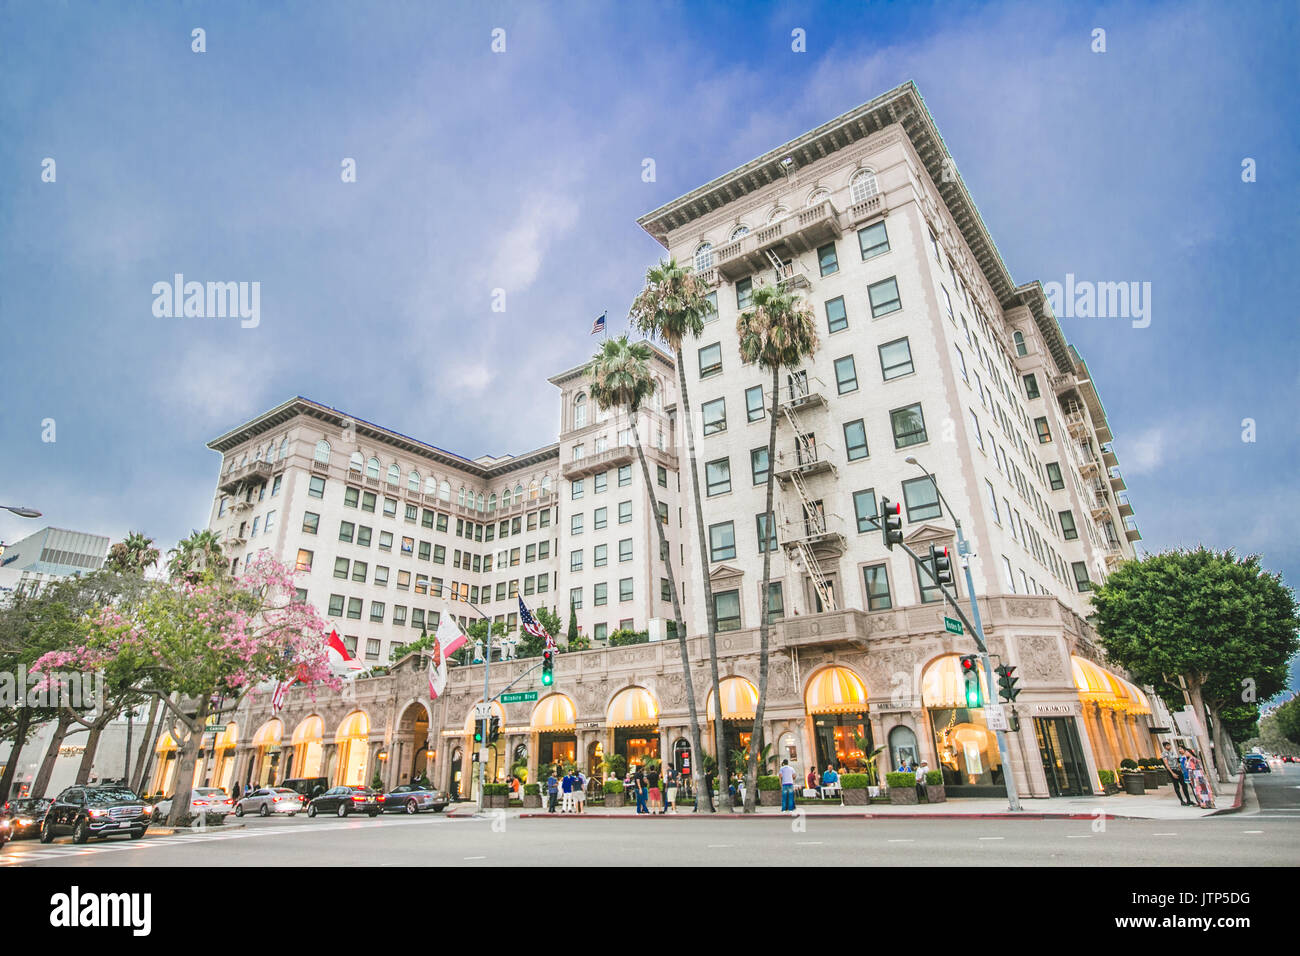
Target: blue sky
(521, 170)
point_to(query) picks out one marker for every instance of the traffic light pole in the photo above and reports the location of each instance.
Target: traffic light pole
(487, 703)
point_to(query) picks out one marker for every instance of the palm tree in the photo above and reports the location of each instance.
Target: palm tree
(779, 330)
(196, 555)
(673, 305)
(134, 555)
(619, 377)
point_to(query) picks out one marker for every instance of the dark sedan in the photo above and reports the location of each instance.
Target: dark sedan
(96, 811)
(410, 798)
(1256, 763)
(343, 801)
(25, 816)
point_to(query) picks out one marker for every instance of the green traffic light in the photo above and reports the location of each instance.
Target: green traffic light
(973, 699)
(547, 678)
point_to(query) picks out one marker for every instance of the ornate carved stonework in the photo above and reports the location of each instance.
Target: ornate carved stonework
(1041, 659)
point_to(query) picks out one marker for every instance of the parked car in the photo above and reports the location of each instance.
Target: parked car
(268, 800)
(5, 829)
(96, 811)
(346, 800)
(1255, 763)
(307, 787)
(25, 816)
(412, 798)
(202, 800)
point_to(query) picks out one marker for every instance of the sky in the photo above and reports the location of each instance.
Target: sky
(521, 170)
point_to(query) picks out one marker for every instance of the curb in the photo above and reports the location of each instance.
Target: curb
(1237, 802)
(1024, 815)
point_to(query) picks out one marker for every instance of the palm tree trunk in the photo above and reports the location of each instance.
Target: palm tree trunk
(710, 617)
(20, 740)
(51, 756)
(769, 531)
(703, 801)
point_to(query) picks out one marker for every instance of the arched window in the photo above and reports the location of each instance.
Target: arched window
(372, 468)
(356, 462)
(230, 466)
(492, 501)
(284, 447)
(580, 412)
(323, 451)
(704, 256)
(480, 502)
(244, 461)
(863, 186)
(780, 212)
(546, 484)
(394, 474)
(532, 490)
(258, 456)
(431, 485)
(270, 452)
(444, 490)
(413, 481)
(505, 497)
(1019, 338)
(741, 230)
(460, 498)
(519, 493)
(818, 196)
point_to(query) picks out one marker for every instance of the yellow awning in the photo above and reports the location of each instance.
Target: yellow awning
(739, 699)
(554, 713)
(354, 725)
(1096, 684)
(308, 729)
(228, 737)
(943, 686)
(268, 734)
(632, 707)
(835, 690)
(166, 744)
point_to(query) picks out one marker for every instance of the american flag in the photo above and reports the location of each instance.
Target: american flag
(529, 624)
(281, 691)
(599, 324)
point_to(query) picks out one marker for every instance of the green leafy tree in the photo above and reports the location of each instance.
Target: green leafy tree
(619, 378)
(572, 637)
(199, 554)
(134, 555)
(1221, 623)
(626, 636)
(1286, 719)
(779, 331)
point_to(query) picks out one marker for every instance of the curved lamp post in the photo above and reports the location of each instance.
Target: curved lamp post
(21, 511)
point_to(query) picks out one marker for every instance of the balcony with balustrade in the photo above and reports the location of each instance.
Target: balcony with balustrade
(801, 231)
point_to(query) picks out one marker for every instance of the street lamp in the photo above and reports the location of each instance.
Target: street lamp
(21, 511)
(1013, 798)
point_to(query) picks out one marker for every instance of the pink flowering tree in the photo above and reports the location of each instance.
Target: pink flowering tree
(200, 646)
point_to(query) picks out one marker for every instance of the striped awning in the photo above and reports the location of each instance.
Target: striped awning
(308, 730)
(228, 737)
(835, 690)
(354, 725)
(632, 707)
(269, 733)
(739, 699)
(1096, 684)
(554, 713)
(166, 744)
(943, 686)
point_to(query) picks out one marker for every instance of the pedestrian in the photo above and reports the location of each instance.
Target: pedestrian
(552, 792)
(566, 787)
(580, 790)
(787, 787)
(1197, 781)
(639, 786)
(235, 794)
(830, 780)
(1170, 758)
(921, 769)
(656, 797)
(670, 790)
(814, 780)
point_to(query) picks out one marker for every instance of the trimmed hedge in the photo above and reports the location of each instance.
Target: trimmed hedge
(613, 786)
(495, 789)
(898, 779)
(532, 789)
(1106, 777)
(854, 781)
(768, 782)
(933, 778)
(1128, 764)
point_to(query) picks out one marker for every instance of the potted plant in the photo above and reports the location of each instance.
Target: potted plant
(532, 795)
(769, 791)
(934, 790)
(614, 793)
(902, 787)
(1134, 782)
(854, 787)
(496, 796)
(1108, 784)
(867, 762)
(1154, 772)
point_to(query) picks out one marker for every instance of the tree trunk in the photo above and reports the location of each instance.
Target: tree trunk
(188, 761)
(1220, 754)
(710, 618)
(1202, 737)
(20, 740)
(703, 800)
(88, 756)
(142, 758)
(51, 755)
(769, 531)
(126, 751)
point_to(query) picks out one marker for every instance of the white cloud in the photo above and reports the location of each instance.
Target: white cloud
(213, 386)
(1146, 452)
(518, 260)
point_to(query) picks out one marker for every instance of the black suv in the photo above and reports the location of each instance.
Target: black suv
(307, 787)
(96, 811)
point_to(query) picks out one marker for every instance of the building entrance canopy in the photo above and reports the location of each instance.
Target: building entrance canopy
(1096, 684)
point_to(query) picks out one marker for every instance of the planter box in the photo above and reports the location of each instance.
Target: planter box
(532, 802)
(1134, 784)
(492, 801)
(1154, 778)
(856, 797)
(614, 800)
(901, 795)
(936, 793)
(769, 798)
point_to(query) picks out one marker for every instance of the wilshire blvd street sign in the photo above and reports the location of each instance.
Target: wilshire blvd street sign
(952, 626)
(519, 698)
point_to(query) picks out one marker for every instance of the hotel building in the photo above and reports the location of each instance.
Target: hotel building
(928, 350)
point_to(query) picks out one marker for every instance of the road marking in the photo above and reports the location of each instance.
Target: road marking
(1078, 836)
(720, 846)
(992, 838)
(1252, 831)
(900, 841)
(476, 858)
(810, 843)
(1164, 834)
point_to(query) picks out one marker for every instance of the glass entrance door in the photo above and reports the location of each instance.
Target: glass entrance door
(1062, 755)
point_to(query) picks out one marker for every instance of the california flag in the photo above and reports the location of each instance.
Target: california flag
(437, 669)
(340, 659)
(449, 635)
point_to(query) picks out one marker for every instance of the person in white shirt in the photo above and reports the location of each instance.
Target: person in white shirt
(580, 791)
(787, 787)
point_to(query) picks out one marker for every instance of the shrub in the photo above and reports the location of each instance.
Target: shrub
(766, 782)
(1107, 777)
(933, 778)
(898, 780)
(613, 786)
(532, 789)
(495, 789)
(1128, 764)
(855, 781)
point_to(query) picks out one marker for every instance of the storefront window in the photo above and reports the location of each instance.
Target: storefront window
(636, 744)
(968, 750)
(843, 740)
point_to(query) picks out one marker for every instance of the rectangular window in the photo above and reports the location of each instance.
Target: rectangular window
(269, 523)
(875, 580)
(1054, 475)
(837, 319)
(717, 476)
(426, 549)
(439, 553)
(351, 496)
(543, 583)
(514, 557)
(575, 524)
(765, 528)
(354, 609)
(744, 294)
(347, 530)
(855, 440)
(316, 487)
(922, 499)
(975, 421)
(930, 592)
(359, 569)
(712, 310)
(576, 491)
(865, 507)
(600, 632)
(1031, 386)
(544, 519)
(600, 594)
(722, 541)
(363, 536)
(624, 512)
(758, 464)
(1044, 433)
(600, 519)
(600, 555)
(575, 598)
(381, 575)
(961, 363)
(412, 512)
(377, 611)
(304, 561)
(341, 567)
(754, 403)
(827, 260)
(896, 359)
(710, 360)
(993, 500)
(624, 589)
(1068, 528)
(442, 523)
(575, 560)
(873, 240)
(426, 518)
(368, 500)
(884, 297)
(399, 613)
(624, 475)
(310, 522)
(403, 580)
(909, 426)
(665, 592)
(408, 545)
(846, 374)
(336, 605)
(602, 481)
(715, 416)
(1081, 576)
(726, 610)
(390, 507)
(775, 602)
(530, 585)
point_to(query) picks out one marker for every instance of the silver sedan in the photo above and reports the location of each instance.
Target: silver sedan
(269, 800)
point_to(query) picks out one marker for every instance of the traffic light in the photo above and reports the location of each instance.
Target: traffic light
(478, 731)
(548, 667)
(942, 565)
(970, 672)
(891, 522)
(494, 728)
(1007, 682)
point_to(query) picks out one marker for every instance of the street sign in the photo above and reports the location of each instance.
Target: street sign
(952, 626)
(995, 718)
(518, 698)
(482, 710)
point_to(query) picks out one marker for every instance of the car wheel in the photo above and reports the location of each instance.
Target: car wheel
(239, 810)
(81, 832)
(311, 810)
(372, 813)
(411, 807)
(265, 811)
(344, 809)
(136, 834)
(47, 834)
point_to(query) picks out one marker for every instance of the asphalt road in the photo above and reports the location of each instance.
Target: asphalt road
(1278, 792)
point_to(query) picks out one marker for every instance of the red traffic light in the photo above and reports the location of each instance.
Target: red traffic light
(968, 662)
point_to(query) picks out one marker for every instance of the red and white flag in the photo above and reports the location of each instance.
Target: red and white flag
(450, 636)
(338, 654)
(437, 669)
(281, 692)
